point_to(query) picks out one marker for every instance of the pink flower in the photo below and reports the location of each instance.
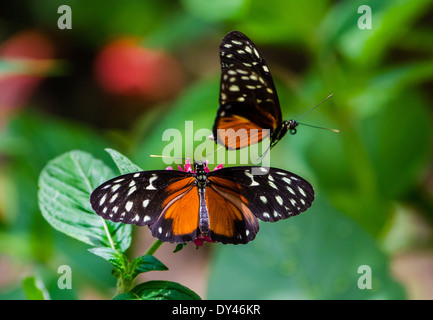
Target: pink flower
(188, 168)
(220, 166)
(202, 238)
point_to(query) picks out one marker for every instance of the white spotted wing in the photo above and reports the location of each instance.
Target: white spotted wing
(248, 97)
(134, 198)
(168, 202)
(275, 195)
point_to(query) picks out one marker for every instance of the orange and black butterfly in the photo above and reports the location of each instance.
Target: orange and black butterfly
(249, 110)
(224, 204)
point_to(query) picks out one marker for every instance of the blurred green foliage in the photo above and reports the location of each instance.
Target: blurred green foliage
(382, 85)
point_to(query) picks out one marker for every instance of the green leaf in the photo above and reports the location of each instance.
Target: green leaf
(282, 21)
(145, 263)
(116, 258)
(179, 247)
(217, 10)
(93, 24)
(65, 185)
(159, 290)
(390, 22)
(386, 87)
(122, 162)
(176, 32)
(414, 147)
(34, 289)
(315, 255)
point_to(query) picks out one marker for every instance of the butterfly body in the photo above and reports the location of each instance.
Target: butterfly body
(201, 183)
(249, 109)
(224, 204)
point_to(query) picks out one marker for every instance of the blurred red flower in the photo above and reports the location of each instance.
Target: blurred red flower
(124, 67)
(27, 56)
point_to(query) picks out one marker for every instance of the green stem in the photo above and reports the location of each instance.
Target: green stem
(121, 287)
(154, 247)
(108, 234)
(124, 284)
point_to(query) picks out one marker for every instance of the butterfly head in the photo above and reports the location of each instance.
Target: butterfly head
(286, 126)
(200, 172)
(290, 126)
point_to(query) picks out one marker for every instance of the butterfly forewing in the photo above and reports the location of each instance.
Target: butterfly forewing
(276, 195)
(132, 198)
(238, 51)
(248, 98)
(178, 215)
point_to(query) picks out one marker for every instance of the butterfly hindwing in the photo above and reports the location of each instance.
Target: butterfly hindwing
(248, 98)
(231, 219)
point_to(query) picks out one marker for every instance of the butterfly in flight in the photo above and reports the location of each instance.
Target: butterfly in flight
(224, 204)
(248, 101)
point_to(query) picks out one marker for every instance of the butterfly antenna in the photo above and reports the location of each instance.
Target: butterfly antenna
(330, 96)
(159, 156)
(309, 125)
(211, 152)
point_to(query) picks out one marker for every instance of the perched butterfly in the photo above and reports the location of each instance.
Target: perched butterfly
(223, 205)
(248, 101)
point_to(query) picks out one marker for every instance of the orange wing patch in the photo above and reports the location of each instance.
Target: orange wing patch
(181, 207)
(177, 188)
(236, 132)
(184, 213)
(229, 215)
